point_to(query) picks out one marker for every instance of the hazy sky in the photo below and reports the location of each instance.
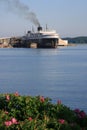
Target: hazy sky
(67, 17)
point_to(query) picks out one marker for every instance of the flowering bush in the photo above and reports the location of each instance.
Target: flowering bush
(38, 113)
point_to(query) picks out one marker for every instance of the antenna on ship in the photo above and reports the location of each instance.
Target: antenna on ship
(32, 29)
(46, 27)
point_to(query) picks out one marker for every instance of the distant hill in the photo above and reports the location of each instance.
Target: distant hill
(82, 39)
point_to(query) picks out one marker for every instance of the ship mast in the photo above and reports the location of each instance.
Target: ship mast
(46, 27)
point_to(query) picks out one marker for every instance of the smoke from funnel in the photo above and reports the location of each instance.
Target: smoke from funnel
(19, 8)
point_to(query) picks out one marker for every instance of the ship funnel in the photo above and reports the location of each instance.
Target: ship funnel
(39, 28)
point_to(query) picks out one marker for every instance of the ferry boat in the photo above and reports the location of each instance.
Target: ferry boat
(43, 38)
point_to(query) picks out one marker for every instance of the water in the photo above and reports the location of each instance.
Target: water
(56, 73)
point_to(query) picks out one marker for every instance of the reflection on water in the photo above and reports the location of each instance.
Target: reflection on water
(58, 73)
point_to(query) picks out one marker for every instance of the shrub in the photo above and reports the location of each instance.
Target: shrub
(38, 113)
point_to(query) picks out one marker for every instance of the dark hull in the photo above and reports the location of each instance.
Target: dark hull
(40, 43)
(45, 43)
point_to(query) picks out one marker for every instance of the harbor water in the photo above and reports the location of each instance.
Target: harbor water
(60, 74)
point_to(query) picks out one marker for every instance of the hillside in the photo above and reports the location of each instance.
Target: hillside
(82, 39)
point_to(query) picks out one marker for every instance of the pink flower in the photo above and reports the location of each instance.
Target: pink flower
(16, 94)
(30, 119)
(6, 112)
(59, 102)
(77, 110)
(82, 114)
(42, 99)
(8, 123)
(61, 121)
(14, 121)
(7, 97)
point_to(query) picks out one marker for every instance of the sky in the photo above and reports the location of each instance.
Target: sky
(67, 17)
